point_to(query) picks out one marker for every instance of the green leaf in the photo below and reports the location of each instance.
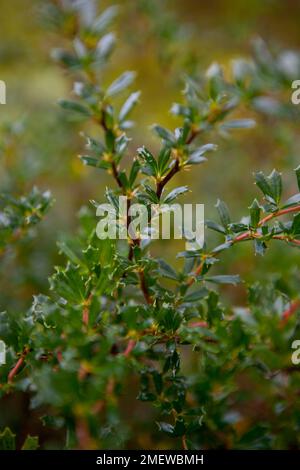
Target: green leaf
(147, 157)
(196, 295)
(68, 252)
(129, 105)
(122, 82)
(166, 270)
(295, 229)
(180, 110)
(275, 185)
(105, 46)
(108, 118)
(188, 254)
(134, 172)
(151, 194)
(75, 107)
(175, 193)
(224, 279)
(214, 226)
(214, 312)
(67, 59)
(239, 124)
(263, 184)
(181, 133)
(292, 201)
(197, 155)
(163, 160)
(238, 227)
(223, 213)
(297, 171)
(255, 211)
(95, 146)
(146, 396)
(158, 381)
(260, 247)
(180, 428)
(121, 144)
(69, 284)
(270, 186)
(31, 443)
(123, 179)
(164, 134)
(223, 246)
(7, 440)
(94, 162)
(169, 319)
(166, 428)
(104, 20)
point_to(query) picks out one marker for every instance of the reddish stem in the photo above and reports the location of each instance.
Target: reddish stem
(278, 214)
(184, 444)
(201, 324)
(86, 310)
(144, 288)
(197, 272)
(17, 366)
(290, 311)
(160, 186)
(130, 346)
(248, 235)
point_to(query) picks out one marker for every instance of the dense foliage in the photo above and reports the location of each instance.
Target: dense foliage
(116, 313)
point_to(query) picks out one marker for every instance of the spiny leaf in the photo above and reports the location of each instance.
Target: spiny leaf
(148, 158)
(263, 184)
(297, 171)
(255, 211)
(7, 440)
(223, 213)
(31, 443)
(275, 185)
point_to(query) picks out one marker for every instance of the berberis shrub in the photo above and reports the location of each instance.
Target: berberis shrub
(116, 316)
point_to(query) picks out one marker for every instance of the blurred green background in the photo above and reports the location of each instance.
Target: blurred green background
(42, 146)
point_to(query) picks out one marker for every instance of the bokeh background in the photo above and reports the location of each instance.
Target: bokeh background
(39, 145)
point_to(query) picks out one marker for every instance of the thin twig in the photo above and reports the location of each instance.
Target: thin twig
(86, 310)
(249, 235)
(162, 183)
(144, 288)
(116, 175)
(290, 311)
(130, 346)
(184, 444)
(17, 366)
